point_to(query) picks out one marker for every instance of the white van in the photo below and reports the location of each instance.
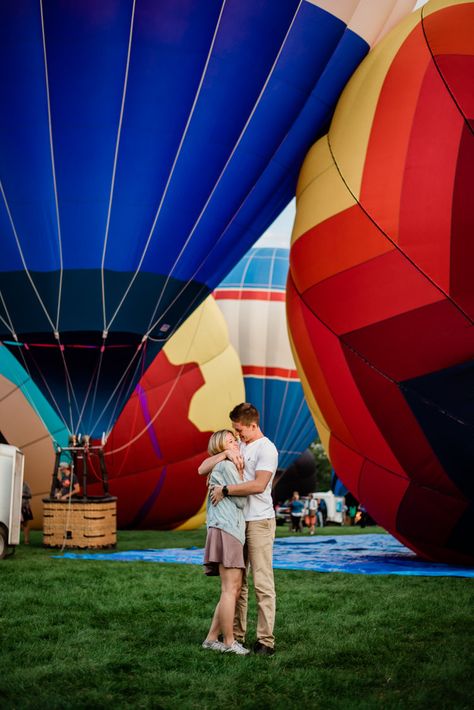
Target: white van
(11, 489)
(335, 506)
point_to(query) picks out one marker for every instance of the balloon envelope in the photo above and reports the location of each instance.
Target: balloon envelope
(144, 146)
(28, 422)
(381, 299)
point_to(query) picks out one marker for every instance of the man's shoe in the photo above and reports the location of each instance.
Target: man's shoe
(262, 650)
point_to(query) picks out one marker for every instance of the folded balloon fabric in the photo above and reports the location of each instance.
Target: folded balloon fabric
(353, 554)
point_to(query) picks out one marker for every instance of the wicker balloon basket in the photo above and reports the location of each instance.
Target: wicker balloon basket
(86, 522)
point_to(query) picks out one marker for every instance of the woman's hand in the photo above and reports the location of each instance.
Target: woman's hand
(237, 460)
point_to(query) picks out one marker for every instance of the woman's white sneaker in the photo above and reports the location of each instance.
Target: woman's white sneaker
(214, 645)
(237, 648)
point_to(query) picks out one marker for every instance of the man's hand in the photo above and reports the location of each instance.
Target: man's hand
(216, 494)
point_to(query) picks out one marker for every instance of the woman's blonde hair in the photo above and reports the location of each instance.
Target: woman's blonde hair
(217, 441)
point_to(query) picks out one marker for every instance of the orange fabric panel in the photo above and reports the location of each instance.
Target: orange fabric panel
(384, 166)
(427, 193)
(458, 17)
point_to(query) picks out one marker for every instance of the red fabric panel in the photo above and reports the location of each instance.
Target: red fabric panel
(457, 71)
(248, 294)
(300, 324)
(381, 288)
(416, 343)
(346, 239)
(462, 240)
(165, 457)
(348, 464)
(132, 492)
(428, 184)
(382, 491)
(399, 426)
(345, 410)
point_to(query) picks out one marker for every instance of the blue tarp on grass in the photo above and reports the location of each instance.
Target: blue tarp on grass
(353, 554)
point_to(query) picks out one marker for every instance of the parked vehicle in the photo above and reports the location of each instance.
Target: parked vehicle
(334, 505)
(11, 487)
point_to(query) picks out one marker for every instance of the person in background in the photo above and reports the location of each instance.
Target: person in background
(311, 511)
(224, 551)
(26, 514)
(322, 512)
(296, 512)
(67, 484)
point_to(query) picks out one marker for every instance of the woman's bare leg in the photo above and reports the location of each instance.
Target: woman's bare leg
(231, 582)
(215, 629)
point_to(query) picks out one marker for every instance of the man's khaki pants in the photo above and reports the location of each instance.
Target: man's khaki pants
(259, 538)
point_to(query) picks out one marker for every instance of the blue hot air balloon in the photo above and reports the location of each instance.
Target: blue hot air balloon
(252, 300)
(144, 146)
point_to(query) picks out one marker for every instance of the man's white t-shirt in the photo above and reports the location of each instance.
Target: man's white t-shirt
(259, 455)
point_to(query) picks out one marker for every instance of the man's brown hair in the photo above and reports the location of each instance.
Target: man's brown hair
(246, 414)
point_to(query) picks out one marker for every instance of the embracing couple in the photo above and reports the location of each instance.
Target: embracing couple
(241, 530)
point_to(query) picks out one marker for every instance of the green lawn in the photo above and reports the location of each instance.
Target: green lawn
(127, 635)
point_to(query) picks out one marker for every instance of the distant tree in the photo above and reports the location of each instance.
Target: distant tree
(323, 465)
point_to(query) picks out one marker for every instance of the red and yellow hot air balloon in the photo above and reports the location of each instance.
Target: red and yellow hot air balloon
(381, 294)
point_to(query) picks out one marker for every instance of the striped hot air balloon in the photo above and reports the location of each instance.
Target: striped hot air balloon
(252, 299)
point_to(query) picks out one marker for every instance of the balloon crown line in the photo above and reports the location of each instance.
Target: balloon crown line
(70, 346)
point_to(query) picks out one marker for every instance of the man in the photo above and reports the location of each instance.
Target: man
(67, 484)
(259, 459)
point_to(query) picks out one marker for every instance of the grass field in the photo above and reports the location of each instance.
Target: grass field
(127, 635)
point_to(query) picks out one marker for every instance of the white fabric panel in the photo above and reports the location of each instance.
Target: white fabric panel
(258, 332)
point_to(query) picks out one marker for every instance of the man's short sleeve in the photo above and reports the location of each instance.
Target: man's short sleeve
(267, 458)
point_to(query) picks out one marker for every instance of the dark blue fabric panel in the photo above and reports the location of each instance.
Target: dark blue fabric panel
(337, 486)
(87, 49)
(169, 53)
(25, 162)
(285, 417)
(443, 403)
(248, 41)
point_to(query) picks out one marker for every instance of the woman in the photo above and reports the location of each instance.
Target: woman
(224, 551)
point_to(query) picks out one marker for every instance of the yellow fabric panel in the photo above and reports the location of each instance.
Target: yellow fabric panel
(200, 338)
(351, 126)
(321, 193)
(224, 388)
(196, 521)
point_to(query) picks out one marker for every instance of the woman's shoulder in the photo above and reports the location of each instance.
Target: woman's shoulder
(224, 466)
